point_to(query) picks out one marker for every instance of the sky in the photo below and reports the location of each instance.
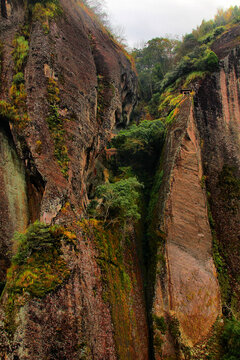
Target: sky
(142, 20)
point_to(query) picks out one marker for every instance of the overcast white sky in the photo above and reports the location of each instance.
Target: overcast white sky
(143, 20)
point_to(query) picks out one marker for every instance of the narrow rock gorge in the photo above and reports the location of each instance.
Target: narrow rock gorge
(85, 280)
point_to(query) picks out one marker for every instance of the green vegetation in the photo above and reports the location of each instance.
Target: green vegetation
(160, 324)
(44, 11)
(173, 326)
(220, 263)
(18, 79)
(131, 170)
(143, 138)
(105, 93)
(139, 147)
(229, 185)
(37, 267)
(7, 111)
(153, 61)
(20, 53)
(166, 64)
(194, 76)
(56, 126)
(17, 92)
(120, 200)
(231, 340)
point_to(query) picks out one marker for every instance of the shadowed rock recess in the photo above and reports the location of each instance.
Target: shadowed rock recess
(73, 286)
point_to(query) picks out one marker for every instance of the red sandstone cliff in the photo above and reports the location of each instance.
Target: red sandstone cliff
(200, 164)
(73, 65)
(75, 75)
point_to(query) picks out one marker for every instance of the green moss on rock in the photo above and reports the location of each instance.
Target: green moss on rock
(37, 268)
(56, 126)
(118, 284)
(45, 11)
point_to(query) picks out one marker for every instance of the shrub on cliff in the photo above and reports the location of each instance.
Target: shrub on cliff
(231, 340)
(200, 59)
(20, 52)
(139, 146)
(144, 137)
(119, 200)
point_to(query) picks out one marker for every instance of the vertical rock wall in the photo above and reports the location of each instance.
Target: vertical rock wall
(189, 294)
(201, 165)
(94, 88)
(217, 110)
(13, 193)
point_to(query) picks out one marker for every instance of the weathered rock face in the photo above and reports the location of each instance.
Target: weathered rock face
(190, 291)
(217, 110)
(75, 86)
(13, 193)
(200, 164)
(76, 75)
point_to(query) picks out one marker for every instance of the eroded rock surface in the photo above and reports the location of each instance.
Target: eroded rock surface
(93, 88)
(190, 292)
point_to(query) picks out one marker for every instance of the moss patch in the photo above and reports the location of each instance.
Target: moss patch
(37, 268)
(45, 11)
(18, 114)
(20, 52)
(56, 126)
(118, 284)
(169, 105)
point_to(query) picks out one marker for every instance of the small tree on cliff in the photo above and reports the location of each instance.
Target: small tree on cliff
(119, 200)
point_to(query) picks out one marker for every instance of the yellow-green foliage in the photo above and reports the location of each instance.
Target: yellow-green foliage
(7, 111)
(17, 91)
(119, 283)
(46, 11)
(18, 96)
(105, 93)
(12, 113)
(37, 267)
(20, 52)
(169, 107)
(56, 126)
(196, 75)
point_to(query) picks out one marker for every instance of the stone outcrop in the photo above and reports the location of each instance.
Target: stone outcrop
(217, 111)
(190, 291)
(200, 161)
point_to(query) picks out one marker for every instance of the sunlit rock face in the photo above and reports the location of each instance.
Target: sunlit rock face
(190, 291)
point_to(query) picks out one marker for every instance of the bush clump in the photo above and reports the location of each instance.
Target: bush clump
(20, 52)
(18, 79)
(119, 199)
(231, 340)
(139, 147)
